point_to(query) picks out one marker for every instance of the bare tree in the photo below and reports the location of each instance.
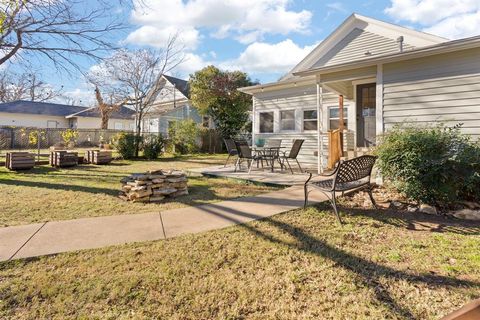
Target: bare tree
(136, 76)
(25, 86)
(56, 30)
(106, 109)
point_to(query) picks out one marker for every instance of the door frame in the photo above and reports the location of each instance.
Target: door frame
(355, 83)
(359, 127)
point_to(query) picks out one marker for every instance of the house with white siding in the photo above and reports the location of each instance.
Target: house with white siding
(385, 75)
(36, 114)
(171, 105)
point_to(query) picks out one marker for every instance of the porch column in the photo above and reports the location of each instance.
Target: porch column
(254, 125)
(319, 127)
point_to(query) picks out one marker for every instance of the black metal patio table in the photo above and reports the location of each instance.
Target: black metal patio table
(271, 153)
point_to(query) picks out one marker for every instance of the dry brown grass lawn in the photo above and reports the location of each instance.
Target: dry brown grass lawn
(298, 265)
(46, 194)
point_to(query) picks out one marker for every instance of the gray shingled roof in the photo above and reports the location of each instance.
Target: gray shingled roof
(180, 84)
(40, 108)
(61, 110)
(123, 113)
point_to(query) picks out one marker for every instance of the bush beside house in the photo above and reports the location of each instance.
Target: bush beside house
(432, 165)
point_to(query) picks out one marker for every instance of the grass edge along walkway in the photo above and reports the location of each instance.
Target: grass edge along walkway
(53, 237)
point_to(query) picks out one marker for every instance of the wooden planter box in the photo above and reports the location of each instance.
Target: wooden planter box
(101, 157)
(63, 159)
(20, 161)
(89, 156)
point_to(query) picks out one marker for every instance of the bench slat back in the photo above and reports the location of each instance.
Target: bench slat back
(355, 169)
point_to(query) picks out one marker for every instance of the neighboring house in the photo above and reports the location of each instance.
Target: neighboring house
(172, 104)
(387, 74)
(53, 115)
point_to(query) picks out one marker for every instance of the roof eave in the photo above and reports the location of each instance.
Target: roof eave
(277, 85)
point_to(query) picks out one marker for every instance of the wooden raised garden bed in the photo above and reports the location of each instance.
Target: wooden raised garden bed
(20, 161)
(63, 159)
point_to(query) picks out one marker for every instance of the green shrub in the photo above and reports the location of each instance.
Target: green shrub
(434, 165)
(125, 145)
(153, 146)
(184, 136)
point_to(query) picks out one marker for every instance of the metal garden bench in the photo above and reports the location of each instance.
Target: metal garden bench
(348, 175)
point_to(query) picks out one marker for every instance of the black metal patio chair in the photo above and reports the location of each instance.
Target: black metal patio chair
(348, 175)
(292, 155)
(245, 153)
(231, 149)
(272, 154)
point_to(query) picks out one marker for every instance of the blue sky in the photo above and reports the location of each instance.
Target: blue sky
(265, 38)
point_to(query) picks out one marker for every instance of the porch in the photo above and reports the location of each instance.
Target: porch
(314, 105)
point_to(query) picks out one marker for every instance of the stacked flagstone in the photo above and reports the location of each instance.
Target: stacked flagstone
(154, 186)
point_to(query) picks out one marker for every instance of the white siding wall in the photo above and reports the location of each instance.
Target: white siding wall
(298, 99)
(95, 123)
(32, 120)
(439, 88)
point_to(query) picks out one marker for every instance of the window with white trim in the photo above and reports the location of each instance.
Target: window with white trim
(287, 120)
(334, 118)
(118, 126)
(266, 122)
(310, 119)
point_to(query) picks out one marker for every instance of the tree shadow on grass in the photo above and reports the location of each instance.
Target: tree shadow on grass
(417, 221)
(369, 273)
(59, 186)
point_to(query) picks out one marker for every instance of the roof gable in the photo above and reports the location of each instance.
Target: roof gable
(357, 35)
(179, 84)
(359, 44)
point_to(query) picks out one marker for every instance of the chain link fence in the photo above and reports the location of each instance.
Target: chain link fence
(33, 138)
(40, 140)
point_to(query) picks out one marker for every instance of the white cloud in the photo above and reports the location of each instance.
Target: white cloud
(246, 20)
(158, 37)
(190, 64)
(447, 18)
(337, 6)
(260, 57)
(461, 26)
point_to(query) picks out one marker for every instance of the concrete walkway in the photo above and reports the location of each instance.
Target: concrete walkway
(63, 236)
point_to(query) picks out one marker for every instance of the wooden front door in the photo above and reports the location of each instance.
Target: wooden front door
(366, 119)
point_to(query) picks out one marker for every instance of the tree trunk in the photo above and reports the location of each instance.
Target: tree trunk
(104, 120)
(138, 133)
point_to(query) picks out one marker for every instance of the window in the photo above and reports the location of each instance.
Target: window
(132, 126)
(287, 120)
(309, 120)
(266, 122)
(118, 126)
(334, 118)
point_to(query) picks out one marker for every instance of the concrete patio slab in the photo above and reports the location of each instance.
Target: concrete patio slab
(278, 177)
(89, 233)
(13, 238)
